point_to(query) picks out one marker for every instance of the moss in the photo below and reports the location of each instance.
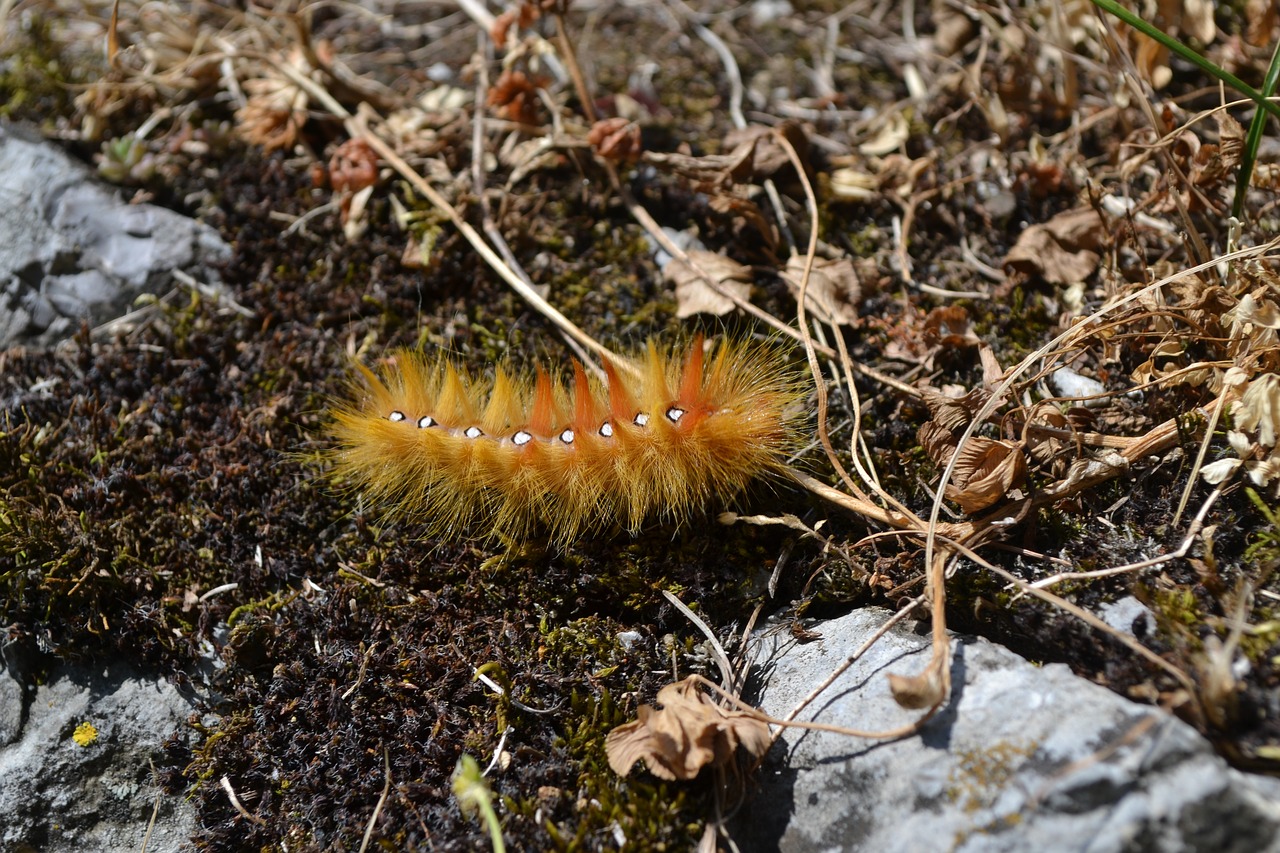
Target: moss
(36, 79)
(644, 810)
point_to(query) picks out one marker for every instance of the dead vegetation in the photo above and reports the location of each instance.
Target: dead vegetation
(999, 235)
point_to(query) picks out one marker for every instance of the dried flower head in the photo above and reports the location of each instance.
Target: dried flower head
(615, 139)
(353, 166)
(276, 109)
(515, 96)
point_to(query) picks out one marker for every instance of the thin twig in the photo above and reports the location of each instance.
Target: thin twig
(853, 658)
(1197, 524)
(377, 809)
(235, 802)
(722, 660)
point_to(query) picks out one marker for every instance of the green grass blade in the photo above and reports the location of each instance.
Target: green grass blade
(1188, 54)
(1256, 127)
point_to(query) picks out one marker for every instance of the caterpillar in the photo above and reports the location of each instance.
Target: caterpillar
(517, 454)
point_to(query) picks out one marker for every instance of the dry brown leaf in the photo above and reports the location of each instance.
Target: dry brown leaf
(615, 139)
(953, 413)
(686, 734)
(985, 472)
(1261, 15)
(1086, 473)
(711, 173)
(694, 296)
(353, 166)
(949, 327)
(1043, 445)
(767, 157)
(1063, 250)
(1258, 409)
(833, 289)
(726, 178)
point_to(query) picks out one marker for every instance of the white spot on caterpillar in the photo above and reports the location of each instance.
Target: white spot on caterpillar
(521, 438)
(606, 429)
(674, 414)
(396, 417)
(567, 436)
(426, 421)
(473, 432)
(641, 419)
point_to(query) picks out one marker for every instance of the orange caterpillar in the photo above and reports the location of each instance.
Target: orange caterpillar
(512, 456)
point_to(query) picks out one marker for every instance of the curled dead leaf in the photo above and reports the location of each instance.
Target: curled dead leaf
(514, 96)
(894, 130)
(695, 296)
(834, 290)
(1257, 421)
(953, 413)
(1061, 251)
(757, 146)
(949, 327)
(1086, 473)
(1258, 409)
(849, 184)
(986, 470)
(686, 734)
(353, 166)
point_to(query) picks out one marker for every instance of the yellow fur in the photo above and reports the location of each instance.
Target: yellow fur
(709, 433)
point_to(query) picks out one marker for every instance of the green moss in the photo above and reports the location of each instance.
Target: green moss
(660, 815)
(1264, 549)
(36, 83)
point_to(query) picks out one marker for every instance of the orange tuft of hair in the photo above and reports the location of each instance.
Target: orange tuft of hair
(469, 458)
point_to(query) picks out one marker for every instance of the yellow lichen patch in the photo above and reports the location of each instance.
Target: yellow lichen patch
(85, 734)
(983, 773)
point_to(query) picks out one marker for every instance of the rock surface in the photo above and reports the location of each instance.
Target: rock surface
(1023, 758)
(72, 250)
(66, 787)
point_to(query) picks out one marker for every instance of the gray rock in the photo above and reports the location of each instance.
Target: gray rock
(59, 796)
(72, 250)
(1023, 758)
(1126, 614)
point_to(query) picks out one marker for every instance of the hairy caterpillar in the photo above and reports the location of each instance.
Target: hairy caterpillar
(508, 457)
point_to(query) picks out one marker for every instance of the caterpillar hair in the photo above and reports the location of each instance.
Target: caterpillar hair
(466, 457)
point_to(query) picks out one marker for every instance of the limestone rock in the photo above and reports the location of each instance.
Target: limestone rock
(76, 763)
(72, 250)
(1023, 758)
